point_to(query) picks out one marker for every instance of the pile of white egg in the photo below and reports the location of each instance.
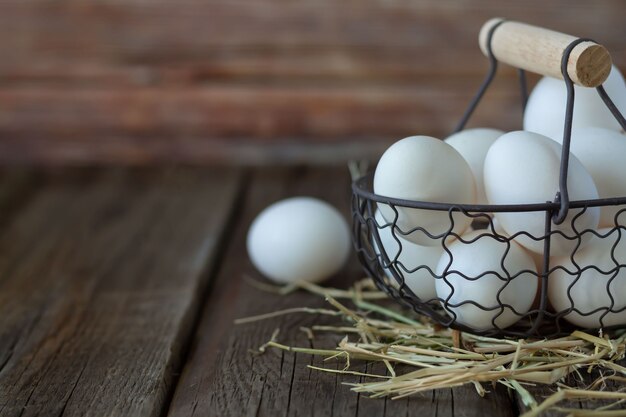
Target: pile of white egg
(485, 281)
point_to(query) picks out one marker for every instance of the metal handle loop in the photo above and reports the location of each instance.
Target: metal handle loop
(493, 67)
(562, 196)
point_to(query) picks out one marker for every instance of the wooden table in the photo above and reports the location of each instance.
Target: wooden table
(119, 287)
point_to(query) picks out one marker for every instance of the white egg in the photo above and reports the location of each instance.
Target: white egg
(545, 111)
(506, 301)
(497, 230)
(473, 145)
(496, 227)
(522, 168)
(423, 168)
(589, 291)
(299, 238)
(407, 261)
(603, 153)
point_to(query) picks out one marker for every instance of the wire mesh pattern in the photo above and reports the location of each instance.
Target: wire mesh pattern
(592, 287)
(394, 273)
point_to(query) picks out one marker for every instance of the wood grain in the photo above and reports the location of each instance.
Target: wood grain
(222, 377)
(100, 279)
(118, 289)
(143, 82)
(540, 50)
(115, 34)
(213, 123)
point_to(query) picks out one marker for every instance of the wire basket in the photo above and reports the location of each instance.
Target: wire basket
(381, 246)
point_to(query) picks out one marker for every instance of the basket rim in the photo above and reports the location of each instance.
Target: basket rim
(363, 187)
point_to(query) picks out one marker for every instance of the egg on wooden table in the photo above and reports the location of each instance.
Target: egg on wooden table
(545, 110)
(587, 287)
(410, 260)
(473, 145)
(522, 168)
(474, 273)
(300, 238)
(424, 168)
(603, 153)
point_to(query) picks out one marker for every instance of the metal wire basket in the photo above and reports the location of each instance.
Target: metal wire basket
(393, 271)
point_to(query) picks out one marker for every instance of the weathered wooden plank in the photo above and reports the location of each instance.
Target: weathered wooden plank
(217, 122)
(223, 378)
(311, 113)
(192, 151)
(139, 32)
(140, 82)
(16, 186)
(100, 279)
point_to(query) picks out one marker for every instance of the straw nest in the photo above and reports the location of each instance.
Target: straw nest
(374, 330)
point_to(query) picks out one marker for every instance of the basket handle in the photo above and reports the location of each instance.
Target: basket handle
(540, 50)
(546, 52)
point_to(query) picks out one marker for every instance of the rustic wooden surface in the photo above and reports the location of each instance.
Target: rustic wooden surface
(255, 80)
(118, 291)
(222, 377)
(100, 282)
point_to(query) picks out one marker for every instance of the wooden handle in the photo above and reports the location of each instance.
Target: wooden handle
(540, 50)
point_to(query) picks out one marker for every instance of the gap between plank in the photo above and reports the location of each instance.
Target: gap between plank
(213, 266)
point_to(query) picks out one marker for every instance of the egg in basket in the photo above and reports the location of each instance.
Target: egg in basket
(514, 234)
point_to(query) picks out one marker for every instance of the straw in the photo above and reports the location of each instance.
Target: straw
(440, 358)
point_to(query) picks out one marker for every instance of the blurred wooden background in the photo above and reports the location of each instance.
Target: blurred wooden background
(255, 81)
